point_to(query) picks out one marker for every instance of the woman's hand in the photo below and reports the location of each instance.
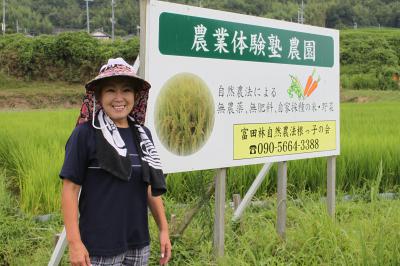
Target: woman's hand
(157, 209)
(78, 254)
(165, 247)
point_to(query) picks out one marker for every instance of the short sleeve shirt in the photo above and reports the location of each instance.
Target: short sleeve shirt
(113, 212)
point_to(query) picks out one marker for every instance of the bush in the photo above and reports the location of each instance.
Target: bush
(70, 56)
(360, 81)
(385, 79)
(369, 58)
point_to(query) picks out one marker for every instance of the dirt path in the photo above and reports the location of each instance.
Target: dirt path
(21, 100)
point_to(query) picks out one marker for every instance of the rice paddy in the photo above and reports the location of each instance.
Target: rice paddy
(32, 150)
(184, 114)
(364, 233)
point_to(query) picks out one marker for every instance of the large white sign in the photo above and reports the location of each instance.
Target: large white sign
(230, 89)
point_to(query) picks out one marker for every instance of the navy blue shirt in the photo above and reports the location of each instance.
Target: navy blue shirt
(113, 212)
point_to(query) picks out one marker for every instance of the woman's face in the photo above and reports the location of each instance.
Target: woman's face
(117, 98)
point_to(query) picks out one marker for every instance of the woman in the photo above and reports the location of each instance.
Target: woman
(111, 159)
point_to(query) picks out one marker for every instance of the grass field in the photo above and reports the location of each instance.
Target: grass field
(32, 150)
(365, 232)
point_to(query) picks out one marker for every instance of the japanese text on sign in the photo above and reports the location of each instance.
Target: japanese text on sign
(210, 38)
(246, 99)
(274, 139)
(255, 44)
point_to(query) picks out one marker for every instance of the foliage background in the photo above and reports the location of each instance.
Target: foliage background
(369, 57)
(69, 56)
(45, 17)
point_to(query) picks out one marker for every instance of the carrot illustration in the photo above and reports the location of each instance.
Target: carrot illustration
(313, 86)
(309, 80)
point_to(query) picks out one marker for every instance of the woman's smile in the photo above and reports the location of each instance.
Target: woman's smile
(118, 107)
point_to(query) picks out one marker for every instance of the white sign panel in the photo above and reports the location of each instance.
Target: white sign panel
(230, 89)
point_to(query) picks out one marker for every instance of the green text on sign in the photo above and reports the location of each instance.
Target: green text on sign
(183, 35)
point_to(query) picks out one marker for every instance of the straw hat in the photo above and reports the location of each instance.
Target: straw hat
(114, 68)
(117, 67)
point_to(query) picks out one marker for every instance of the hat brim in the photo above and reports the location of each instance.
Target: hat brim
(137, 82)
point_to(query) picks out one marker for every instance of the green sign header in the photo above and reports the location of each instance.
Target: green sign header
(183, 35)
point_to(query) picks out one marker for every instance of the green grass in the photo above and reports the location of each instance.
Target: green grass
(372, 30)
(32, 150)
(364, 233)
(22, 240)
(369, 134)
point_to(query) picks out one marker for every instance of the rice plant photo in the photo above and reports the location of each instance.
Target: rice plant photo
(184, 114)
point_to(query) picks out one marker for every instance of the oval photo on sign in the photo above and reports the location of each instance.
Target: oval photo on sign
(184, 114)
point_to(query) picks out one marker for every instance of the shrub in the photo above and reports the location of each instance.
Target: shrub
(369, 58)
(70, 56)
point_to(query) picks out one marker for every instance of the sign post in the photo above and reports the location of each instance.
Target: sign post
(252, 190)
(281, 202)
(144, 4)
(219, 215)
(231, 90)
(331, 181)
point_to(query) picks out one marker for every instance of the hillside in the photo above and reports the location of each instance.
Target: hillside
(46, 17)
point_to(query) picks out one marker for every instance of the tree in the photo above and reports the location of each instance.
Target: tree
(340, 15)
(315, 13)
(43, 16)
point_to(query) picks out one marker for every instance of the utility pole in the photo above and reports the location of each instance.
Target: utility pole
(3, 25)
(112, 19)
(87, 15)
(300, 13)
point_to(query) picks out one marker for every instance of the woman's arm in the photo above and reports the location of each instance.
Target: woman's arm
(78, 253)
(157, 209)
